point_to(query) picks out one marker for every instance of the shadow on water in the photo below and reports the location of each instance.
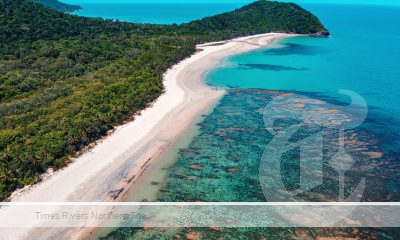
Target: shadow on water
(270, 67)
(295, 48)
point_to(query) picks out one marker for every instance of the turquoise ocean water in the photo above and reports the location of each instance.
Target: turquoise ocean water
(362, 56)
(222, 163)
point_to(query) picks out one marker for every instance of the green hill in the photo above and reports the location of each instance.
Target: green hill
(260, 17)
(66, 80)
(58, 6)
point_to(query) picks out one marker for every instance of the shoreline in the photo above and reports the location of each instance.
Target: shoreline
(192, 130)
(111, 169)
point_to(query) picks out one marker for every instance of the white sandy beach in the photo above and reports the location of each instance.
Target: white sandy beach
(107, 171)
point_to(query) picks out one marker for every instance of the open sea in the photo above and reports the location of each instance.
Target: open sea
(298, 79)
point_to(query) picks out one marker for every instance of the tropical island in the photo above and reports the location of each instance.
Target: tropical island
(66, 81)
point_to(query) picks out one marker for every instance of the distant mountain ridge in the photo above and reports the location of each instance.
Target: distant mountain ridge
(58, 6)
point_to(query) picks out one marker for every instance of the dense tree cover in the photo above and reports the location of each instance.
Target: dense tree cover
(259, 17)
(58, 6)
(66, 80)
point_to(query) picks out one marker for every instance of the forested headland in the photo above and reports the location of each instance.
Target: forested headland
(65, 81)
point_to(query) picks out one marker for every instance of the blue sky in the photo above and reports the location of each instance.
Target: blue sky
(377, 2)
